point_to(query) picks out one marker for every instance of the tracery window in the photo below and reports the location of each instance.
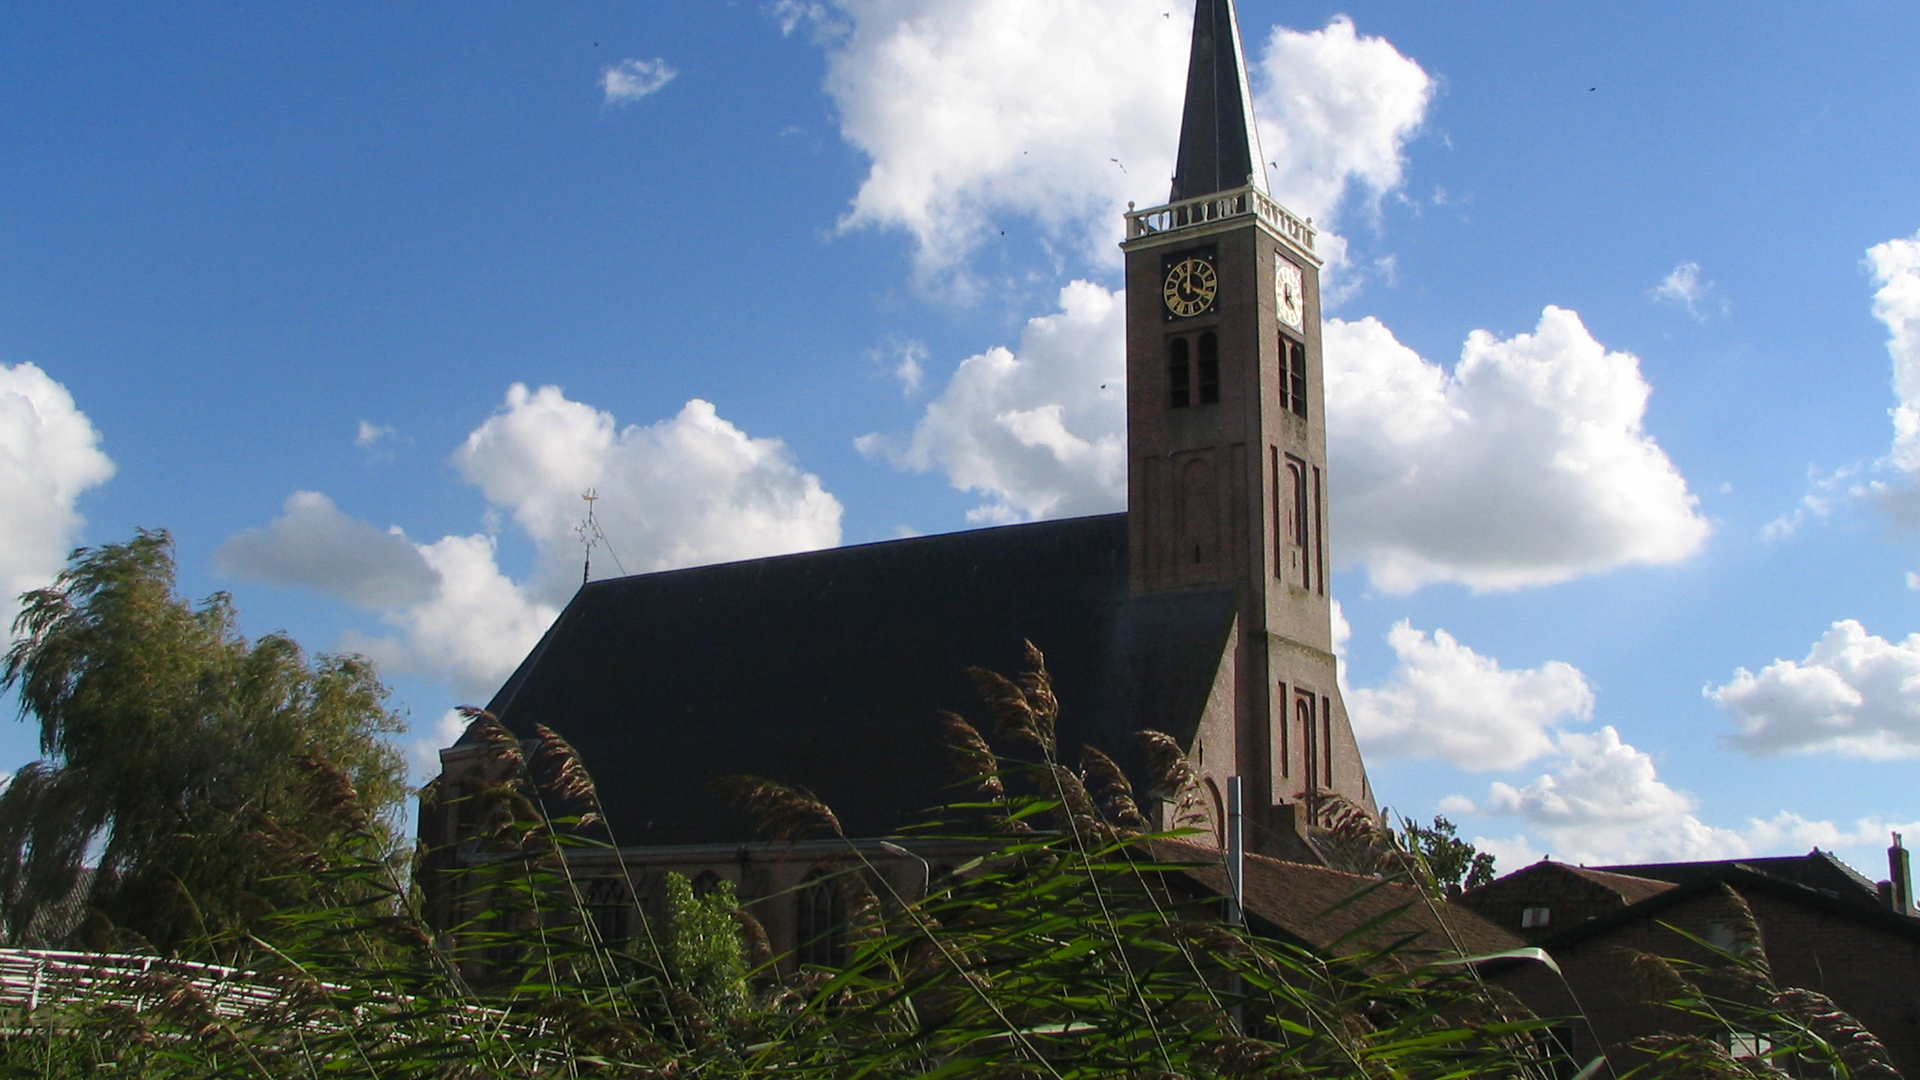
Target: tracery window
(609, 908)
(820, 930)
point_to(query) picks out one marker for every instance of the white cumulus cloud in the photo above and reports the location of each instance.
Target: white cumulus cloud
(1855, 694)
(313, 544)
(1604, 802)
(1335, 110)
(475, 628)
(688, 490)
(1685, 288)
(1447, 702)
(1039, 432)
(1896, 270)
(1060, 113)
(1527, 464)
(970, 109)
(684, 491)
(630, 80)
(49, 455)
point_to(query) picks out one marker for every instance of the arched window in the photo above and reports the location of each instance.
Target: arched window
(1290, 558)
(820, 938)
(1326, 742)
(1303, 715)
(1285, 736)
(609, 909)
(1178, 374)
(1293, 384)
(1209, 369)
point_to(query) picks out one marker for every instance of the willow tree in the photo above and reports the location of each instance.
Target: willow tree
(189, 769)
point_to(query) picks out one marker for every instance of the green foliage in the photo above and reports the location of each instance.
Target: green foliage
(206, 777)
(704, 952)
(1447, 862)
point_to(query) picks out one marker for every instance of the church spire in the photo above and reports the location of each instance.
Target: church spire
(1219, 148)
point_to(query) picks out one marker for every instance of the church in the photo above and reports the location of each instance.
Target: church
(1201, 612)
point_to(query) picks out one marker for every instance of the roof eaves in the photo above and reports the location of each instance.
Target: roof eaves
(1732, 874)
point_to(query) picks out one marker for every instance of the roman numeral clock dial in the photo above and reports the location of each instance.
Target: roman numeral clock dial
(1289, 300)
(1191, 286)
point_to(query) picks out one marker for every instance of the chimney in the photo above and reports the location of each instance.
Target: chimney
(1900, 878)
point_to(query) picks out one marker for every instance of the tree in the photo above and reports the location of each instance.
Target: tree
(704, 951)
(191, 769)
(1453, 864)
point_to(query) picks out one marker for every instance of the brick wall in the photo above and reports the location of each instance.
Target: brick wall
(1870, 971)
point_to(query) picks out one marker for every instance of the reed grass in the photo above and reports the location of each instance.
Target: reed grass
(1068, 946)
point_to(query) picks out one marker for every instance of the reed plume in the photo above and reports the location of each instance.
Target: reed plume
(972, 758)
(561, 776)
(1169, 773)
(779, 811)
(1111, 788)
(497, 743)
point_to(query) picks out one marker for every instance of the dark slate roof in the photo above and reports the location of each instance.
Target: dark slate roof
(1629, 888)
(1818, 870)
(828, 670)
(1524, 885)
(1218, 146)
(1742, 877)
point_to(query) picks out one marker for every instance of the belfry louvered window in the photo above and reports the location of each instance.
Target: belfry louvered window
(1179, 374)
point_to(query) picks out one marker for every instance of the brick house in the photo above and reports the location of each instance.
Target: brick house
(1819, 926)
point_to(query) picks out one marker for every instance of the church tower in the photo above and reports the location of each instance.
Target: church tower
(1226, 433)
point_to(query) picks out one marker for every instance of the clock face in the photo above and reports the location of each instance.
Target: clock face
(1288, 299)
(1191, 285)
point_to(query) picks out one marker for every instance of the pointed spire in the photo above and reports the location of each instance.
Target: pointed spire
(1219, 148)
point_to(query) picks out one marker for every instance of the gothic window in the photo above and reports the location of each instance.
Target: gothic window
(1293, 376)
(1303, 716)
(609, 908)
(820, 927)
(1178, 374)
(1209, 369)
(1319, 533)
(1285, 740)
(1291, 562)
(1326, 741)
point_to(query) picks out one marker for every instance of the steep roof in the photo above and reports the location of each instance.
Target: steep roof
(1335, 912)
(1528, 883)
(1817, 870)
(1630, 888)
(828, 669)
(1219, 145)
(1742, 877)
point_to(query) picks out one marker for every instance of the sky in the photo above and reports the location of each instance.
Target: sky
(1622, 345)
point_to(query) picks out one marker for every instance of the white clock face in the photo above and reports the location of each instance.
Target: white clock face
(1287, 297)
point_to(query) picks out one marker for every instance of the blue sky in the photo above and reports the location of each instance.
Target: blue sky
(1624, 297)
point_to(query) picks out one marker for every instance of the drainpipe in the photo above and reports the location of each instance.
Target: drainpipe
(1236, 885)
(1236, 855)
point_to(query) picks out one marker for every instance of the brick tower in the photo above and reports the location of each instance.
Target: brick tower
(1226, 432)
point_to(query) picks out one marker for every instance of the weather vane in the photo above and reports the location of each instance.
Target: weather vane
(590, 534)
